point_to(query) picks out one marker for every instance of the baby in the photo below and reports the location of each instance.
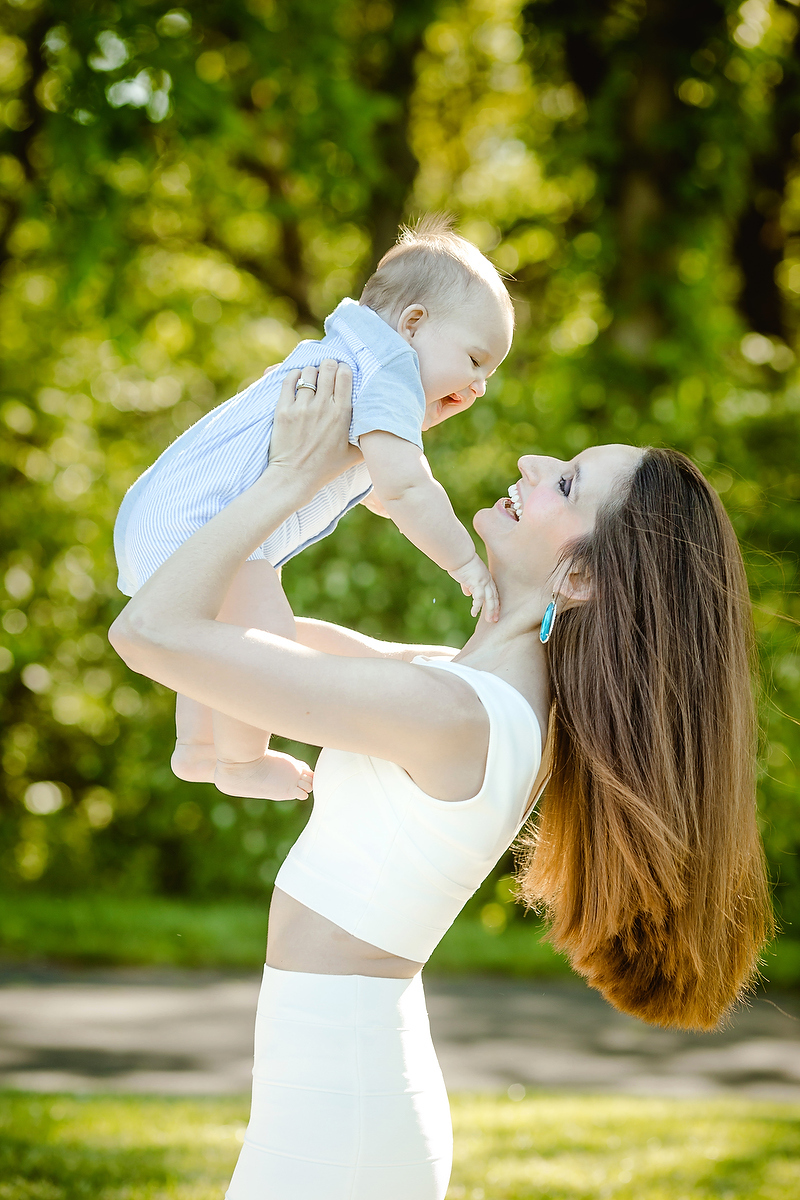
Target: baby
(433, 322)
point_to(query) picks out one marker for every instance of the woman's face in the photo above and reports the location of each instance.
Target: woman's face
(553, 503)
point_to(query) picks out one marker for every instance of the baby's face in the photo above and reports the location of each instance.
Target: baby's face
(458, 353)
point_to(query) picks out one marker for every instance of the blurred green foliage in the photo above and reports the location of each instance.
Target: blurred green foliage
(91, 929)
(186, 192)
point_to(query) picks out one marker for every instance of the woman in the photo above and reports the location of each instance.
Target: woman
(646, 855)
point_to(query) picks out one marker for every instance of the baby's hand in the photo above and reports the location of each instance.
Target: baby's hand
(476, 582)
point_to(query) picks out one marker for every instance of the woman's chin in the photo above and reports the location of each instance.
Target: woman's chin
(481, 519)
(486, 524)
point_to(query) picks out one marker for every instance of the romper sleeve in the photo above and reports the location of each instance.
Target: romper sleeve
(391, 400)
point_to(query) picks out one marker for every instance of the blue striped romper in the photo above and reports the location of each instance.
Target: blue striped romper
(227, 450)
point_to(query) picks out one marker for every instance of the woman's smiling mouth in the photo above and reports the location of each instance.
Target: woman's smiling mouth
(514, 504)
(506, 506)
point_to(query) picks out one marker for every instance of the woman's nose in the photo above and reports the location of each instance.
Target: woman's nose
(533, 466)
(528, 467)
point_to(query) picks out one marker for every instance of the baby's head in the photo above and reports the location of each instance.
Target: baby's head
(448, 302)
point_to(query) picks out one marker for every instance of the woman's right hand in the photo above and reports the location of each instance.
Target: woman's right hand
(311, 428)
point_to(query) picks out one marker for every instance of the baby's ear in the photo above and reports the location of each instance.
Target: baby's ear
(410, 320)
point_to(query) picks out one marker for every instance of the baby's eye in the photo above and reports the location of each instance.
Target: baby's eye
(565, 485)
(474, 361)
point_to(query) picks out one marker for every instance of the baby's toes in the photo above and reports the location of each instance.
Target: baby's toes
(305, 784)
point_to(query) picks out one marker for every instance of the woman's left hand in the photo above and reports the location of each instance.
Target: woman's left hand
(310, 432)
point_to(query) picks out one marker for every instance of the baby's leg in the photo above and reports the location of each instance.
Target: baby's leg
(245, 766)
(194, 757)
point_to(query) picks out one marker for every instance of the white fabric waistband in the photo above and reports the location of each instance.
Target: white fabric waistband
(342, 1000)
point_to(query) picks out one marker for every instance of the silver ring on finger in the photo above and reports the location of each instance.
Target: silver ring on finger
(312, 387)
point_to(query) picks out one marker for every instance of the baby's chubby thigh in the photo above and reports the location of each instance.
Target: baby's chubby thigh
(245, 765)
(256, 599)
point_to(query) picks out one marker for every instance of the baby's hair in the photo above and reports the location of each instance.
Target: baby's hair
(433, 265)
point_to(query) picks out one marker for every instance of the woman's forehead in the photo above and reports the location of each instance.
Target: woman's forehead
(600, 466)
(614, 454)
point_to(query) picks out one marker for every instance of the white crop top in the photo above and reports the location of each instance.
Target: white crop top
(394, 866)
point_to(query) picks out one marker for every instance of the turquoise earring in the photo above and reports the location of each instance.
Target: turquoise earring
(548, 620)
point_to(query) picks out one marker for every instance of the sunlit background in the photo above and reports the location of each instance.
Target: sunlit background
(187, 192)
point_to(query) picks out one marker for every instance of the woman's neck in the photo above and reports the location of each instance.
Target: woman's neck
(510, 648)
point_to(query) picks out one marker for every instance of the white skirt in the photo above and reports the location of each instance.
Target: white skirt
(348, 1097)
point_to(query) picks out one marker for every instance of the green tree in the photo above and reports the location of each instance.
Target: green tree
(184, 194)
(635, 166)
(187, 193)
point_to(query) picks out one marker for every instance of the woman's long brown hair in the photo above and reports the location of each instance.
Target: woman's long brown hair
(646, 856)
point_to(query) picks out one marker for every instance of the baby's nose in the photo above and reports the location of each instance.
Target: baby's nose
(479, 387)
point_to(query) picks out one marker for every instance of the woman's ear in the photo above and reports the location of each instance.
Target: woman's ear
(577, 587)
(410, 320)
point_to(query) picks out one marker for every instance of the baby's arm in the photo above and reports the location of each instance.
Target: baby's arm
(374, 505)
(421, 510)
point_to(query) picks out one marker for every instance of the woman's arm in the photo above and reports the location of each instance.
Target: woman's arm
(336, 639)
(429, 722)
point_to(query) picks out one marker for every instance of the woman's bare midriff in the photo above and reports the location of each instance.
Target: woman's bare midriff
(301, 940)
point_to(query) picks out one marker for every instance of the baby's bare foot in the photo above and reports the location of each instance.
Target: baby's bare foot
(194, 762)
(273, 777)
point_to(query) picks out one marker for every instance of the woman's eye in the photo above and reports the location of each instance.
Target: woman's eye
(565, 485)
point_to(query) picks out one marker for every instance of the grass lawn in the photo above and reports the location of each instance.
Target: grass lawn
(152, 930)
(538, 1148)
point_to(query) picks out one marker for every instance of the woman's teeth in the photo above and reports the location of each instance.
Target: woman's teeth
(516, 503)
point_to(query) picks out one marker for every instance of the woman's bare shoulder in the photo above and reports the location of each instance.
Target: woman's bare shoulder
(447, 759)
